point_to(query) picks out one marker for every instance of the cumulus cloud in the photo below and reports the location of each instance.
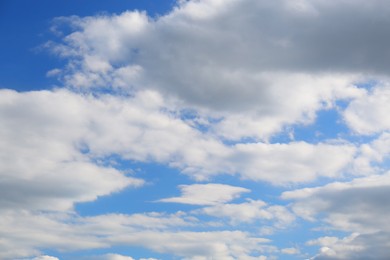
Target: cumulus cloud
(61, 137)
(144, 221)
(42, 167)
(355, 246)
(350, 206)
(358, 206)
(202, 89)
(290, 163)
(368, 114)
(290, 251)
(250, 211)
(53, 135)
(273, 71)
(202, 245)
(45, 257)
(109, 257)
(23, 233)
(372, 156)
(206, 194)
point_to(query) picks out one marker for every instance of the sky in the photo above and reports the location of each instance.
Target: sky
(194, 129)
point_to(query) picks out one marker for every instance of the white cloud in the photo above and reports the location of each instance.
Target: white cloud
(60, 136)
(42, 167)
(290, 251)
(355, 246)
(373, 156)
(201, 245)
(368, 114)
(289, 163)
(110, 257)
(23, 233)
(274, 75)
(45, 257)
(243, 212)
(206, 194)
(246, 69)
(250, 211)
(145, 221)
(358, 206)
(57, 136)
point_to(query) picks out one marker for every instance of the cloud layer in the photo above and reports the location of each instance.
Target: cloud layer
(213, 89)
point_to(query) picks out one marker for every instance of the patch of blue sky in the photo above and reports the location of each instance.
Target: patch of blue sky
(367, 84)
(161, 182)
(328, 125)
(201, 124)
(168, 180)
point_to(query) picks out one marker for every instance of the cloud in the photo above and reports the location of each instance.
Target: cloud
(270, 72)
(250, 211)
(61, 137)
(290, 251)
(64, 137)
(372, 157)
(206, 194)
(23, 233)
(42, 167)
(202, 245)
(203, 89)
(289, 163)
(118, 257)
(355, 246)
(350, 206)
(358, 206)
(144, 221)
(368, 113)
(45, 257)
(109, 257)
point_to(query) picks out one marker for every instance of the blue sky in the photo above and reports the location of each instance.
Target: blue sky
(194, 129)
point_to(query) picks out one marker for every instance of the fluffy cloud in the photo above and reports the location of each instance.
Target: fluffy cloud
(350, 206)
(281, 35)
(56, 134)
(202, 89)
(368, 114)
(290, 251)
(268, 73)
(358, 206)
(372, 157)
(61, 137)
(42, 167)
(250, 211)
(288, 163)
(45, 257)
(136, 222)
(206, 194)
(355, 246)
(201, 245)
(113, 257)
(22, 233)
